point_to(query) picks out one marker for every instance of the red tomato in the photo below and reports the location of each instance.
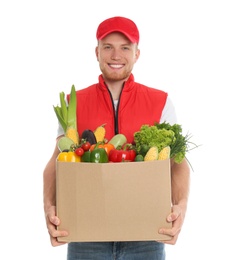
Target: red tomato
(85, 146)
(79, 151)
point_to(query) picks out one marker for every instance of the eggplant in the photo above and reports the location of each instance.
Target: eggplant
(89, 136)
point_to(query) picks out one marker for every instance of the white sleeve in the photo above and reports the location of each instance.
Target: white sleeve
(169, 113)
(60, 130)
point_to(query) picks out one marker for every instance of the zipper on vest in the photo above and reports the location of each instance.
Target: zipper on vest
(115, 121)
(115, 112)
(116, 115)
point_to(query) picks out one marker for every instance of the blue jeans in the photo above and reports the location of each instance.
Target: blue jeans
(148, 250)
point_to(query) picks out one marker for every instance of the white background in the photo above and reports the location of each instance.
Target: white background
(46, 46)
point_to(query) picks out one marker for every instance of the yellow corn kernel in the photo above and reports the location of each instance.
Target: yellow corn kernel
(72, 134)
(152, 154)
(164, 153)
(100, 133)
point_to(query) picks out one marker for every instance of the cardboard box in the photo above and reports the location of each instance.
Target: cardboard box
(113, 201)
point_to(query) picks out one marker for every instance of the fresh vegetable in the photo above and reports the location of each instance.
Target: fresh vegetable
(66, 115)
(80, 148)
(64, 143)
(86, 145)
(79, 151)
(71, 130)
(100, 133)
(125, 154)
(68, 157)
(152, 154)
(98, 155)
(162, 135)
(72, 134)
(86, 156)
(118, 140)
(89, 136)
(143, 149)
(164, 153)
(139, 158)
(107, 146)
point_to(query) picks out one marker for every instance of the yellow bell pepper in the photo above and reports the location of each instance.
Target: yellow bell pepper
(68, 157)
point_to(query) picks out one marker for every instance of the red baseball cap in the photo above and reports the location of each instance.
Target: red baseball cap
(118, 24)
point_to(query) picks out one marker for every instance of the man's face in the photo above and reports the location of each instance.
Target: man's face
(116, 56)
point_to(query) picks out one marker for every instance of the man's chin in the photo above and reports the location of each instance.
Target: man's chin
(115, 77)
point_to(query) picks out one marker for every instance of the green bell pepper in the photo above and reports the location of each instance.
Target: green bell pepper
(99, 155)
(86, 156)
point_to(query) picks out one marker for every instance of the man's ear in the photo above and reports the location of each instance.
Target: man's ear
(137, 54)
(96, 52)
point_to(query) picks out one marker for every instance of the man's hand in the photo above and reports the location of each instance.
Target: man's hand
(52, 222)
(177, 219)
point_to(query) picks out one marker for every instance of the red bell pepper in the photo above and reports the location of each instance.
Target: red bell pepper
(124, 154)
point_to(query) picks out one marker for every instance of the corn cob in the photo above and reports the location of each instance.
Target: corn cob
(100, 133)
(72, 134)
(71, 130)
(66, 114)
(152, 154)
(164, 153)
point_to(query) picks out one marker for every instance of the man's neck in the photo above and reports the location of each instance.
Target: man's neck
(115, 88)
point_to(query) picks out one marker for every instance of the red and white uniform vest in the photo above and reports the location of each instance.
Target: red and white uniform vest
(137, 105)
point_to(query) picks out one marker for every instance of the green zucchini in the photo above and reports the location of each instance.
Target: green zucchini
(118, 140)
(64, 143)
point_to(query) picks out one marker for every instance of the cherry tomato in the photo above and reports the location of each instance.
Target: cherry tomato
(85, 146)
(79, 151)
